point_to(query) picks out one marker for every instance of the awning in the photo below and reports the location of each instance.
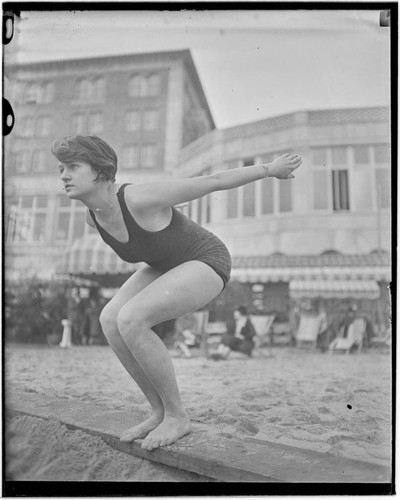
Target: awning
(275, 274)
(356, 289)
(279, 267)
(91, 256)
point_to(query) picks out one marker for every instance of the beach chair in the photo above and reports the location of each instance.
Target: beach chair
(355, 338)
(382, 343)
(262, 326)
(308, 330)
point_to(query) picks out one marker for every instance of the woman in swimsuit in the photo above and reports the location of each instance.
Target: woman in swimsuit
(185, 266)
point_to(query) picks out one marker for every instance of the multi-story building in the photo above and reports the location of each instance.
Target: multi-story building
(147, 106)
(325, 233)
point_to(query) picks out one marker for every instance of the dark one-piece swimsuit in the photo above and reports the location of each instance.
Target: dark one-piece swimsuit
(181, 241)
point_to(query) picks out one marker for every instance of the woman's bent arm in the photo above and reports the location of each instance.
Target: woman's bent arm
(162, 194)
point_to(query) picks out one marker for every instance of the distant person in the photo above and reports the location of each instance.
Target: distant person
(242, 340)
(75, 314)
(185, 267)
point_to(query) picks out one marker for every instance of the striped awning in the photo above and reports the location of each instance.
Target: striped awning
(270, 274)
(356, 289)
(90, 255)
(279, 267)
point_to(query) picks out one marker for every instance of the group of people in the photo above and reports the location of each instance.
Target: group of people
(83, 317)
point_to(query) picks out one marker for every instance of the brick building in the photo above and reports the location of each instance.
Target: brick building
(147, 106)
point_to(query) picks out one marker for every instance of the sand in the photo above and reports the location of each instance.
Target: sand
(340, 404)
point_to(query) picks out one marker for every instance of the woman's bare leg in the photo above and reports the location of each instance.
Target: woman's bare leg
(108, 319)
(181, 290)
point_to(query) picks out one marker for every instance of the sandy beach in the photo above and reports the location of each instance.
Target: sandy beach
(337, 404)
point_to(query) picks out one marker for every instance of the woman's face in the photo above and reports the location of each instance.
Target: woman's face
(78, 178)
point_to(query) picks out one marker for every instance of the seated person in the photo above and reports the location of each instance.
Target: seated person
(242, 340)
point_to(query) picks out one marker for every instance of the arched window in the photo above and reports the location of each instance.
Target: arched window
(31, 93)
(154, 84)
(47, 92)
(80, 88)
(136, 87)
(99, 85)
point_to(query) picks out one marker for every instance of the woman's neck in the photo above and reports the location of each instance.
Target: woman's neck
(103, 201)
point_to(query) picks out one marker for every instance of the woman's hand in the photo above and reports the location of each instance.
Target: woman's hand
(282, 167)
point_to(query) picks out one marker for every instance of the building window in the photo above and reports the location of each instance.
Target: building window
(249, 194)
(29, 219)
(136, 86)
(39, 226)
(331, 183)
(47, 92)
(381, 153)
(233, 204)
(22, 161)
(285, 196)
(154, 84)
(90, 89)
(27, 126)
(208, 208)
(31, 93)
(70, 220)
(340, 190)
(382, 180)
(150, 119)
(78, 123)
(249, 200)
(80, 88)
(95, 123)
(39, 93)
(78, 227)
(199, 210)
(149, 156)
(130, 156)
(142, 86)
(319, 156)
(321, 201)
(39, 161)
(11, 218)
(132, 121)
(339, 155)
(99, 88)
(361, 155)
(267, 193)
(362, 188)
(43, 126)
(62, 226)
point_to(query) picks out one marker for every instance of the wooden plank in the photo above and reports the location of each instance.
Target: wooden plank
(202, 451)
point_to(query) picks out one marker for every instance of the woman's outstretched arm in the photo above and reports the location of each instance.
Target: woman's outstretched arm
(162, 194)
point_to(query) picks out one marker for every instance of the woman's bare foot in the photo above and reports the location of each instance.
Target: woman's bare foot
(170, 430)
(140, 431)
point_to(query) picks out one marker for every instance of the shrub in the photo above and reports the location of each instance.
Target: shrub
(33, 309)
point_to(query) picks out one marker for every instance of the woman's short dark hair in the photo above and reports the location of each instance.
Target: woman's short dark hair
(90, 149)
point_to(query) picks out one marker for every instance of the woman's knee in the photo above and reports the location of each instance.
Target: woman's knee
(132, 319)
(108, 320)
